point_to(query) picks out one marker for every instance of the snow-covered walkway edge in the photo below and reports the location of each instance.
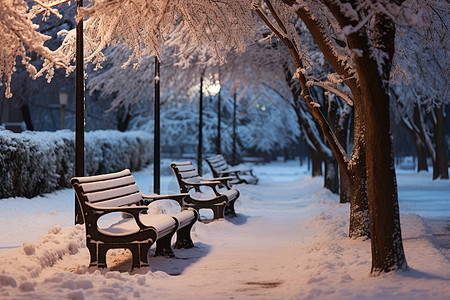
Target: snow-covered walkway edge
(288, 242)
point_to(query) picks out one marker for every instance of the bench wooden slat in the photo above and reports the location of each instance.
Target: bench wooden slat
(120, 201)
(107, 184)
(186, 168)
(112, 193)
(102, 177)
(190, 174)
(182, 163)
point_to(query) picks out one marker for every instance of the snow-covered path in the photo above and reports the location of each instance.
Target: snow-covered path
(288, 242)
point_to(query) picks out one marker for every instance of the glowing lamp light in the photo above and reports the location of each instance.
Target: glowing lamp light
(213, 89)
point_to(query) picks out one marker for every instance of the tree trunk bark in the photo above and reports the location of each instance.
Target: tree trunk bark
(418, 141)
(387, 247)
(359, 225)
(426, 138)
(421, 154)
(441, 157)
(316, 158)
(340, 123)
(331, 179)
(386, 239)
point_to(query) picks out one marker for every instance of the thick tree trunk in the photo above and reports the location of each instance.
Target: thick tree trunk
(428, 143)
(441, 157)
(331, 179)
(340, 126)
(386, 238)
(359, 225)
(387, 247)
(316, 163)
(421, 154)
(419, 143)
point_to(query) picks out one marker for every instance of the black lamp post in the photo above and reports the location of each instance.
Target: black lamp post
(234, 129)
(79, 127)
(156, 142)
(219, 150)
(200, 129)
(63, 98)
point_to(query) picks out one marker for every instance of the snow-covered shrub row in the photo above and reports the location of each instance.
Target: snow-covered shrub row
(32, 163)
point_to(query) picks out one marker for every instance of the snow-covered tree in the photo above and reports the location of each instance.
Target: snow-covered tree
(423, 62)
(20, 37)
(357, 39)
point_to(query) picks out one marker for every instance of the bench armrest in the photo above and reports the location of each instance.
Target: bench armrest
(128, 209)
(223, 180)
(227, 171)
(133, 210)
(203, 182)
(217, 178)
(239, 170)
(212, 184)
(147, 199)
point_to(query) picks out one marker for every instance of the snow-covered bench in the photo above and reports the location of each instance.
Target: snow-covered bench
(220, 168)
(117, 192)
(221, 202)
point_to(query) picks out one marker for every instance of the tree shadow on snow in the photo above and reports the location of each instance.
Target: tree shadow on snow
(413, 273)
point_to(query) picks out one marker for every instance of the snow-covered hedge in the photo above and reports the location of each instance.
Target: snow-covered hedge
(32, 163)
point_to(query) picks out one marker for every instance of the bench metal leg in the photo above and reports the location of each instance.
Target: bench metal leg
(164, 246)
(92, 247)
(229, 209)
(218, 211)
(184, 240)
(143, 252)
(101, 255)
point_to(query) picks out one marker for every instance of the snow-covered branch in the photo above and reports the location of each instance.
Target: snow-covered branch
(332, 87)
(44, 7)
(19, 37)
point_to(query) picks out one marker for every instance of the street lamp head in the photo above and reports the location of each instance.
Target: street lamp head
(213, 89)
(63, 96)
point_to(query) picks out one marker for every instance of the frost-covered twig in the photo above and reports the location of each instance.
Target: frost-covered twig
(332, 87)
(49, 7)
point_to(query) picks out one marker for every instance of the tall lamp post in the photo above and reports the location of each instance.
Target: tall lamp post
(79, 126)
(234, 129)
(200, 128)
(156, 142)
(63, 97)
(218, 123)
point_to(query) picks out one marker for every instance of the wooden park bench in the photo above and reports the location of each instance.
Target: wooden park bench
(221, 202)
(220, 168)
(117, 192)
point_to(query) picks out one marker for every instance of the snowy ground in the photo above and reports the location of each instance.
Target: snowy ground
(288, 242)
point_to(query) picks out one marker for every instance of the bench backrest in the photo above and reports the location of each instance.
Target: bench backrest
(217, 163)
(185, 172)
(109, 190)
